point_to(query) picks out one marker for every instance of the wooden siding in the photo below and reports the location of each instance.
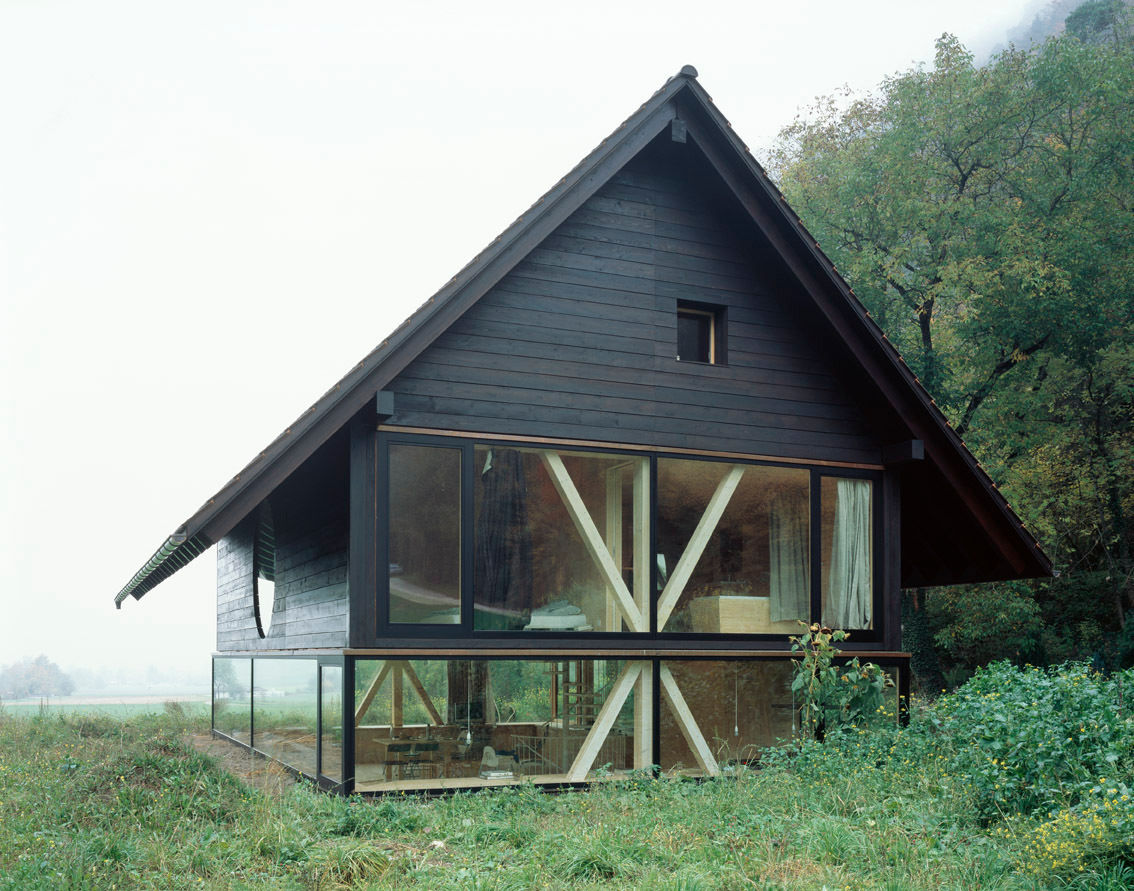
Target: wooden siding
(579, 340)
(310, 515)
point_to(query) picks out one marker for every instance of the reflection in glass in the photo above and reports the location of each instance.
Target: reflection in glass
(723, 713)
(284, 711)
(560, 540)
(425, 534)
(464, 723)
(848, 571)
(232, 702)
(331, 717)
(733, 547)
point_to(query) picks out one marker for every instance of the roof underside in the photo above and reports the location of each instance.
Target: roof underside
(956, 527)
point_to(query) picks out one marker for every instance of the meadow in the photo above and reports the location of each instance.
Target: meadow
(1020, 779)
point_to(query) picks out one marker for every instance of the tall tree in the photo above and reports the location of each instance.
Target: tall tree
(985, 217)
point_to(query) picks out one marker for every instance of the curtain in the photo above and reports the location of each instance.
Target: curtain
(503, 537)
(849, 596)
(790, 583)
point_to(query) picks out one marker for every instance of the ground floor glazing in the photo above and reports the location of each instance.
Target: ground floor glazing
(368, 724)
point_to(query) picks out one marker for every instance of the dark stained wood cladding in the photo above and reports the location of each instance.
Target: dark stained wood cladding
(310, 515)
(579, 340)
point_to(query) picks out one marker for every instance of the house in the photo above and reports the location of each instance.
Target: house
(564, 519)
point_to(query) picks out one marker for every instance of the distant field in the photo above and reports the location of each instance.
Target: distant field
(117, 707)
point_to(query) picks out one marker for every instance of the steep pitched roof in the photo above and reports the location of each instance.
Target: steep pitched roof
(949, 471)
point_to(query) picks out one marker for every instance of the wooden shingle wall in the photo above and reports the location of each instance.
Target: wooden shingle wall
(309, 512)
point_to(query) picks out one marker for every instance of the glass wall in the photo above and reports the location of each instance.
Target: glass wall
(558, 541)
(716, 716)
(733, 547)
(284, 711)
(464, 723)
(331, 718)
(425, 534)
(558, 535)
(848, 553)
(232, 698)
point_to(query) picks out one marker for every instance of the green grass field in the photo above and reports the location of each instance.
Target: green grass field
(110, 709)
(1020, 780)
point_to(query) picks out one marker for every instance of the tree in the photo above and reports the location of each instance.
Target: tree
(34, 677)
(985, 217)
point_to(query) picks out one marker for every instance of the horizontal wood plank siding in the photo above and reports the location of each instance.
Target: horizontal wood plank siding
(579, 340)
(312, 604)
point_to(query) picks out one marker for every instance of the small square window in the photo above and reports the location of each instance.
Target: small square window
(700, 333)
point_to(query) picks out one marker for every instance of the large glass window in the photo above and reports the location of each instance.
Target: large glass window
(232, 697)
(561, 540)
(848, 562)
(331, 722)
(425, 534)
(733, 547)
(716, 716)
(425, 723)
(284, 711)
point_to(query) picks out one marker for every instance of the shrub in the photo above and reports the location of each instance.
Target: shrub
(1035, 740)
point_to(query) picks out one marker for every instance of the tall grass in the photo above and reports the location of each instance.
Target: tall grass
(97, 802)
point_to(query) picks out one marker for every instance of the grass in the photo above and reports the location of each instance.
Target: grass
(110, 709)
(98, 802)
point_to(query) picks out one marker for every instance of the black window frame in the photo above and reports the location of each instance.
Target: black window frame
(385, 633)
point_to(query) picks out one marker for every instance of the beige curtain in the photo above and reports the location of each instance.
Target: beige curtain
(790, 582)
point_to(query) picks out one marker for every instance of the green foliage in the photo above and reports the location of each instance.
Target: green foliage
(1033, 740)
(983, 216)
(832, 695)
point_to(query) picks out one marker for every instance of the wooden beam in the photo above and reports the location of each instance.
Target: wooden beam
(687, 723)
(905, 452)
(641, 543)
(419, 689)
(613, 540)
(706, 526)
(371, 691)
(593, 542)
(644, 718)
(397, 701)
(619, 691)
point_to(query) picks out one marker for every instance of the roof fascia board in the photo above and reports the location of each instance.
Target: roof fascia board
(894, 378)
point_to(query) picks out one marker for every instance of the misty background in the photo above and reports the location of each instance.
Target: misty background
(209, 212)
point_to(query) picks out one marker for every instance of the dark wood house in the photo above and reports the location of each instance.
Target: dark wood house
(567, 515)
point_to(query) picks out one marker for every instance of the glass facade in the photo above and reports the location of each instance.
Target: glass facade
(716, 716)
(284, 712)
(733, 547)
(425, 535)
(556, 534)
(559, 542)
(436, 723)
(331, 722)
(232, 698)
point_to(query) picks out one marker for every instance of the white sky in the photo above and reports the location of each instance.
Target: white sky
(210, 211)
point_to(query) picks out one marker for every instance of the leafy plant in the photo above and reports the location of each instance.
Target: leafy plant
(833, 695)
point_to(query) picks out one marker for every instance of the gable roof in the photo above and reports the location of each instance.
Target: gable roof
(949, 474)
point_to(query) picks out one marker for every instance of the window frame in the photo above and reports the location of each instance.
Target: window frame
(384, 631)
(718, 331)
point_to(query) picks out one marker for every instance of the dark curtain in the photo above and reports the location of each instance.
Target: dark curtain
(503, 576)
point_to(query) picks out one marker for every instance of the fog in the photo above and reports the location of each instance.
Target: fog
(209, 212)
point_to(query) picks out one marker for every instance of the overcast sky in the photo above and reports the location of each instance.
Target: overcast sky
(210, 211)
